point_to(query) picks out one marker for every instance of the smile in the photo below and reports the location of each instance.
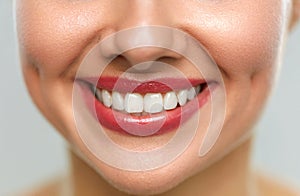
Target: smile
(150, 103)
(144, 108)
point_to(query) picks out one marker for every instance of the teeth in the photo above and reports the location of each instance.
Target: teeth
(198, 89)
(133, 103)
(191, 94)
(106, 97)
(150, 103)
(98, 93)
(170, 101)
(182, 97)
(153, 103)
(117, 101)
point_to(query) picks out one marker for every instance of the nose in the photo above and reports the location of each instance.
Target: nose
(144, 41)
(148, 43)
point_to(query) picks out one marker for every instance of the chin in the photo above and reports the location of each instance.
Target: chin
(147, 183)
(165, 179)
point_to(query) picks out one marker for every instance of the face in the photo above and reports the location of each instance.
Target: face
(244, 39)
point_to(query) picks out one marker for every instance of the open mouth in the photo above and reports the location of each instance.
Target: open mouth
(144, 108)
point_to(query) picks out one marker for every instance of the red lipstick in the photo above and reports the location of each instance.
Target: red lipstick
(148, 124)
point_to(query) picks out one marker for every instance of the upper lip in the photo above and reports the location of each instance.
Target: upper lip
(157, 85)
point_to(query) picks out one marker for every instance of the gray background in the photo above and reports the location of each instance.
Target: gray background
(31, 151)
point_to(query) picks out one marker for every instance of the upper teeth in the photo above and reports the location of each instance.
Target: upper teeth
(149, 103)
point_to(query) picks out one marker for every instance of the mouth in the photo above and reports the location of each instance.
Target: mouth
(144, 108)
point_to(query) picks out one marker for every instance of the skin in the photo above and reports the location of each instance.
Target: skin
(68, 29)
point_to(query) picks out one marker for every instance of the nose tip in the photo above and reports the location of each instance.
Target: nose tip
(142, 44)
(146, 44)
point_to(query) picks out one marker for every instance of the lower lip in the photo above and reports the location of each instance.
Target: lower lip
(146, 125)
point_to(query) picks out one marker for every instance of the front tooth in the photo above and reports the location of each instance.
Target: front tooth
(117, 101)
(170, 101)
(182, 97)
(153, 103)
(106, 97)
(133, 103)
(191, 94)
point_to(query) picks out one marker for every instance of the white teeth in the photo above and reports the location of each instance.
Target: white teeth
(182, 97)
(106, 97)
(170, 101)
(133, 103)
(150, 103)
(117, 101)
(198, 89)
(153, 103)
(98, 93)
(191, 94)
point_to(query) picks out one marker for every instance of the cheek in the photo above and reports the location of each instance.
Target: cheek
(244, 39)
(250, 48)
(52, 34)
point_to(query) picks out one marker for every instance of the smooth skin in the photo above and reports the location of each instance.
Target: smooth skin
(245, 38)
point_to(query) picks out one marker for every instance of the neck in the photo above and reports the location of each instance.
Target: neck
(230, 176)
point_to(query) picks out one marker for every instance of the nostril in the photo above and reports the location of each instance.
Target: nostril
(145, 54)
(168, 59)
(108, 48)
